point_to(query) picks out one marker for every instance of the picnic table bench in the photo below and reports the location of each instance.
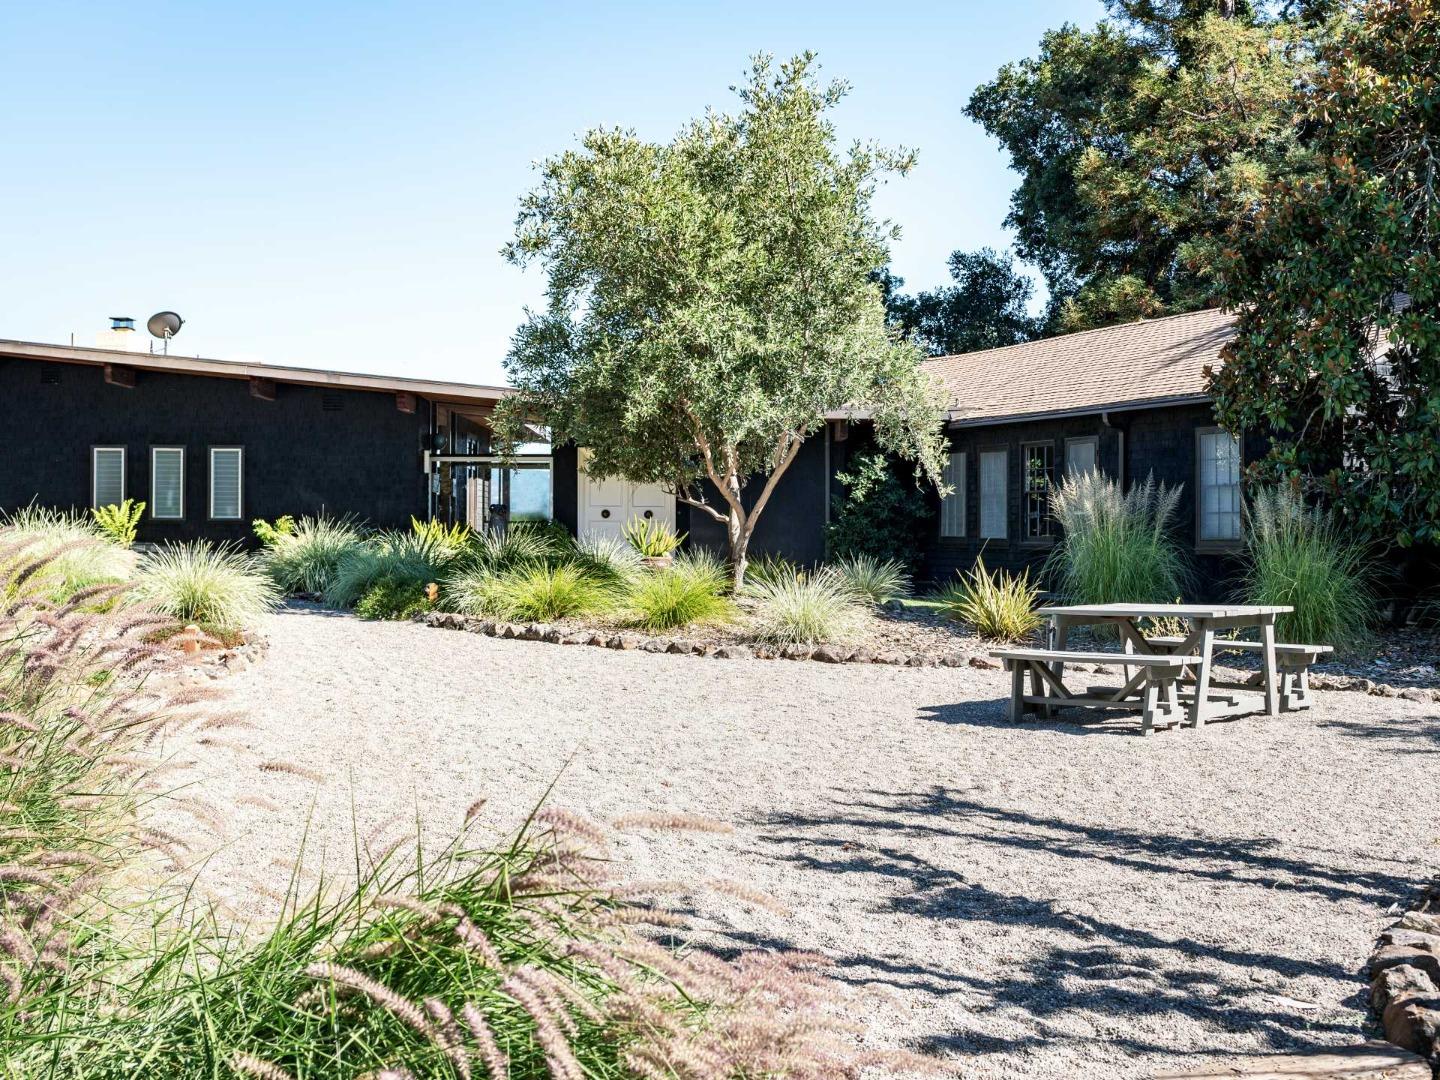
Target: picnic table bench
(1155, 677)
(1292, 662)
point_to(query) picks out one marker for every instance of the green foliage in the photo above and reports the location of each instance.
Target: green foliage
(1000, 607)
(271, 535)
(608, 558)
(1301, 557)
(987, 307)
(391, 599)
(873, 579)
(1115, 548)
(805, 609)
(450, 538)
(691, 591)
(878, 513)
(1138, 143)
(204, 583)
(76, 553)
(768, 569)
(709, 298)
(1337, 284)
(119, 523)
(517, 547)
(528, 592)
(651, 538)
(398, 559)
(307, 556)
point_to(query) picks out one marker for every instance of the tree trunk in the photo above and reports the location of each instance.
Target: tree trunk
(739, 548)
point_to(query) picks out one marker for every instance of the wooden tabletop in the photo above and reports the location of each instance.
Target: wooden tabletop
(1183, 611)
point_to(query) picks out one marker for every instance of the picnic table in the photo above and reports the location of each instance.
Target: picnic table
(1205, 622)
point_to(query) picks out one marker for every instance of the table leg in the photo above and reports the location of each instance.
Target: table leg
(1060, 632)
(1267, 641)
(1200, 705)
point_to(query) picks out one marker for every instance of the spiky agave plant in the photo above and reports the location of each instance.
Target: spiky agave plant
(999, 606)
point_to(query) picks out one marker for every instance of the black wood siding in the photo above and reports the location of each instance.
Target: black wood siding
(312, 450)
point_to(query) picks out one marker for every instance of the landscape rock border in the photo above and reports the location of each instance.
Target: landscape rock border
(1404, 973)
(629, 640)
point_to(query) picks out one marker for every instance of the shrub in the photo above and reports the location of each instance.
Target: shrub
(534, 593)
(651, 538)
(805, 610)
(1300, 556)
(524, 544)
(306, 558)
(77, 553)
(769, 569)
(1000, 607)
(608, 558)
(871, 579)
(389, 599)
(203, 583)
(1115, 548)
(449, 539)
(269, 535)
(119, 523)
(879, 513)
(403, 560)
(686, 593)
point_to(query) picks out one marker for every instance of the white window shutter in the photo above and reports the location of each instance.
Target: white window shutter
(167, 483)
(108, 476)
(952, 507)
(993, 510)
(225, 483)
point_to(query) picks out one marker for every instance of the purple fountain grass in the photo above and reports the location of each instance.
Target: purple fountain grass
(250, 1065)
(490, 1053)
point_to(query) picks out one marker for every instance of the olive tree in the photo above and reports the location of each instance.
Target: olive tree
(710, 299)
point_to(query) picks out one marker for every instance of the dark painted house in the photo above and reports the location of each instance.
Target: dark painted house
(1128, 400)
(209, 445)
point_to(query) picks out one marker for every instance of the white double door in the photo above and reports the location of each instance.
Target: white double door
(606, 505)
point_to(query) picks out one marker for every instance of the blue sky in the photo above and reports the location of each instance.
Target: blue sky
(328, 184)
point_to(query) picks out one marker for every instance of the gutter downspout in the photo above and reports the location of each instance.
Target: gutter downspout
(1120, 434)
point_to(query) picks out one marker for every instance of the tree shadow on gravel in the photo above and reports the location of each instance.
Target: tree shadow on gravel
(1417, 736)
(1091, 978)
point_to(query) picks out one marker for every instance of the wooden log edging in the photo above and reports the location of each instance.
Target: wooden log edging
(1404, 973)
(629, 640)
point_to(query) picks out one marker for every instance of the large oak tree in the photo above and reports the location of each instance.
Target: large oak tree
(710, 299)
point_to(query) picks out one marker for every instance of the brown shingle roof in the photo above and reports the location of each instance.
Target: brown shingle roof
(1115, 367)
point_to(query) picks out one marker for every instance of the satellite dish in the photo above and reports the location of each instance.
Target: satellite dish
(164, 324)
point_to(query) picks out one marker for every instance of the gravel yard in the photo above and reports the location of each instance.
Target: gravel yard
(1046, 900)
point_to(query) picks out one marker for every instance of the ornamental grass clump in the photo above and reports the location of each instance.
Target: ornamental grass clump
(999, 606)
(199, 582)
(394, 562)
(689, 592)
(528, 593)
(872, 579)
(305, 557)
(76, 550)
(1300, 556)
(607, 557)
(805, 609)
(1116, 547)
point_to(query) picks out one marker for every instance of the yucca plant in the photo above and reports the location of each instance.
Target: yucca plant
(999, 606)
(306, 558)
(805, 609)
(213, 585)
(873, 579)
(1116, 547)
(691, 591)
(652, 538)
(119, 523)
(1302, 557)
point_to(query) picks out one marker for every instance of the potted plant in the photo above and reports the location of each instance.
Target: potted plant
(654, 540)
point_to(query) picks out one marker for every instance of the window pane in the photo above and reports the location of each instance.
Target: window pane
(1079, 457)
(167, 483)
(109, 476)
(1219, 486)
(952, 507)
(1039, 467)
(225, 466)
(992, 494)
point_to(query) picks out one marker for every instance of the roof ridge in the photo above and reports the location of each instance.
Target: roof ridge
(1077, 334)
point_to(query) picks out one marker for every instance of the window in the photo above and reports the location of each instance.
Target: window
(1039, 477)
(1218, 480)
(167, 483)
(226, 465)
(994, 464)
(952, 506)
(107, 475)
(1082, 456)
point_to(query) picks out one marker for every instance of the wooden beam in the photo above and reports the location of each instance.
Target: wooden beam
(262, 389)
(119, 375)
(405, 401)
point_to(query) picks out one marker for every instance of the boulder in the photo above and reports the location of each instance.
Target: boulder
(796, 652)
(831, 654)
(1412, 939)
(984, 663)
(655, 645)
(733, 652)
(681, 646)
(896, 658)
(1390, 956)
(862, 656)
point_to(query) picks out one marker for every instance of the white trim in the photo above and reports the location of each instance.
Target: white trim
(153, 501)
(239, 483)
(95, 474)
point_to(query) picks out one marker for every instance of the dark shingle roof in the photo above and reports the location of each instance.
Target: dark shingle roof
(1152, 360)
